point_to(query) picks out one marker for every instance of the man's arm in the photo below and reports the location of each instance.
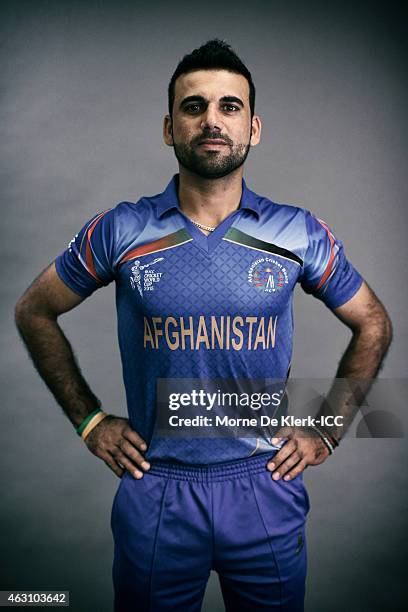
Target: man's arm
(36, 317)
(372, 334)
(371, 327)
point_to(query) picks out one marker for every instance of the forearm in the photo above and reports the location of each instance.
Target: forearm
(54, 359)
(358, 367)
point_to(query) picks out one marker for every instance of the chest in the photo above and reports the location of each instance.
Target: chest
(185, 280)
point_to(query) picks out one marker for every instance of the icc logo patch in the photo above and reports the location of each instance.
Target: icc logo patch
(144, 279)
(267, 275)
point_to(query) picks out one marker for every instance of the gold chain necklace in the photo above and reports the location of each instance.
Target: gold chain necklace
(201, 226)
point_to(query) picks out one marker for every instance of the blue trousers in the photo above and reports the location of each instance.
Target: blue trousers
(177, 523)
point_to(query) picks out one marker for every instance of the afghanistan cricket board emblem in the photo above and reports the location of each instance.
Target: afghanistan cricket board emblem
(267, 275)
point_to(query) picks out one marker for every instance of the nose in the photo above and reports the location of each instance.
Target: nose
(211, 120)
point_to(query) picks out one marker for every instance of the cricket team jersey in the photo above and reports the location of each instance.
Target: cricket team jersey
(192, 306)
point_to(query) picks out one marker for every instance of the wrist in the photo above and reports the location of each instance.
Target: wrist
(90, 422)
(328, 440)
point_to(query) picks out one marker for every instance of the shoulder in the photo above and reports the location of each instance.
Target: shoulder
(285, 222)
(132, 215)
(269, 209)
(137, 209)
(134, 223)
(289, 225)
(292, 217)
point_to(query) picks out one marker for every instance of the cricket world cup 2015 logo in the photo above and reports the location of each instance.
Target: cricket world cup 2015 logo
(267, 275)
(149, 276)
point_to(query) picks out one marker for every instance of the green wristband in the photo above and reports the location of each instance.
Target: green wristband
(86, 420)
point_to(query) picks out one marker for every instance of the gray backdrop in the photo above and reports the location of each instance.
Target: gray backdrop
(85, 93)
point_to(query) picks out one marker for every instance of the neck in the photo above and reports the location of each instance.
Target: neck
(209, 201)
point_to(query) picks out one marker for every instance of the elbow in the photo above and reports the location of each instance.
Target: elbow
(382, 340)
(377, 332)
(383, 331)
(25, 310)
(388, 331)
(30, 310)
(21, 313)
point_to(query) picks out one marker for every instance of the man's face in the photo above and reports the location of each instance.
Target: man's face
(211, 129)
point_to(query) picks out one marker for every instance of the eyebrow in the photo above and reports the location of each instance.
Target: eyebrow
(202, 99)
(233, 99)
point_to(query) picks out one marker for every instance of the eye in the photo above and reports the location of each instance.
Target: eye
(194, 107)
(231, 108)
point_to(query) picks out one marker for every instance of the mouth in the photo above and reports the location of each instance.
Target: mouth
(212, 143)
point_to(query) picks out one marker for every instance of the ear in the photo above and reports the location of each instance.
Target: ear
(167, 131)
(256, 127)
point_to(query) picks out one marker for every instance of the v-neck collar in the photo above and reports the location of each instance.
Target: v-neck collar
(208, 243)
(168, 200)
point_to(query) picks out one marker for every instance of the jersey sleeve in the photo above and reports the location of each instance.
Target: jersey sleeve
(87, 263)
(327, 273)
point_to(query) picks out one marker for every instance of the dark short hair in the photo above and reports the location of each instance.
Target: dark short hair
(213, 55)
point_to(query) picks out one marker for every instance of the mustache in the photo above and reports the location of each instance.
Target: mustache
(212, 136)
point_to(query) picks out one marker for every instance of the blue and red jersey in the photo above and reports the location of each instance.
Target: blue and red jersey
(211, 307)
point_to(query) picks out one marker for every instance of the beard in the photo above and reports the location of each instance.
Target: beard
(211, 164)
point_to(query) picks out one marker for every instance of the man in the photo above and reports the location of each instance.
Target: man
(205, 274)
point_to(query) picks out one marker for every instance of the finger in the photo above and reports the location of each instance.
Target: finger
(111, 463)
(283, 432)
(129, 450)
(286, 465)
(128, 465)
(134, 438)
(302, 465)
(282, 455)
